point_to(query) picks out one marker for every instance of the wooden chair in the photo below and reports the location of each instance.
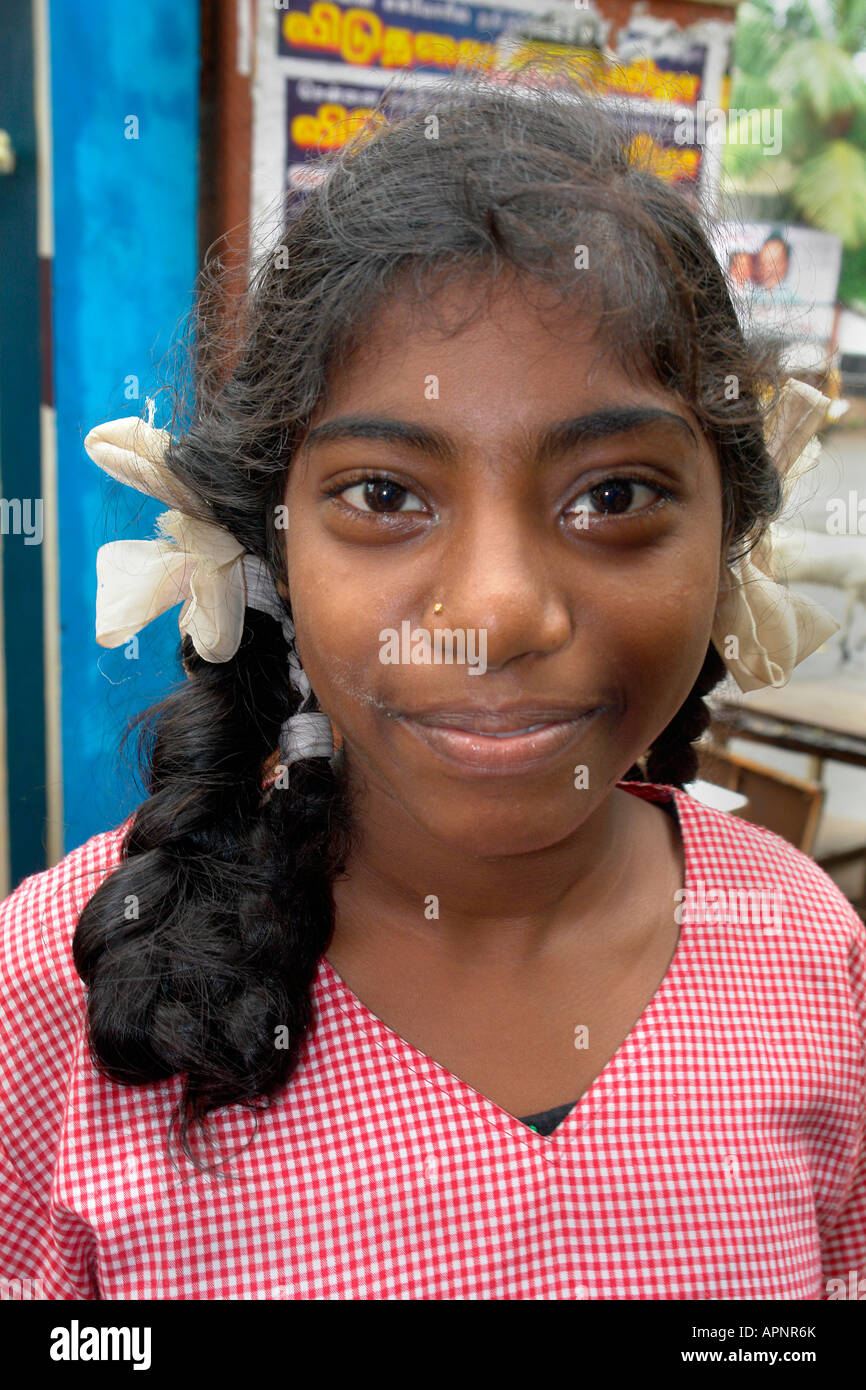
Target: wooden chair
(839, 844)
(791, 806)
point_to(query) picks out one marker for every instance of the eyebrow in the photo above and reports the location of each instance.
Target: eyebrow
(553, 442)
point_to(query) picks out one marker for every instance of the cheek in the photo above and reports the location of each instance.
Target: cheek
(336, 629)
(657, 639)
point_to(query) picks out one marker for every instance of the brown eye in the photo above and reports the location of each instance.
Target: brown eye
(615, 495)
(381, 495)
(618, 497)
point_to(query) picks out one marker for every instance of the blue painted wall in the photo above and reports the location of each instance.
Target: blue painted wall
(20, 468)
(125, 261)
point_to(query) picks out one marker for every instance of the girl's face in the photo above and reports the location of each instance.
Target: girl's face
(569, 523)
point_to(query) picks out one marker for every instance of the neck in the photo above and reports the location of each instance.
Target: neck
(517, 903)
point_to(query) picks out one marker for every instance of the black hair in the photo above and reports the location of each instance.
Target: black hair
(232, 884)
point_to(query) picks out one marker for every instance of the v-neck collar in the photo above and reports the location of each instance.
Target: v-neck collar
(464, 1096)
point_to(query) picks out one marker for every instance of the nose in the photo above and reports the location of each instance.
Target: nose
(499, 576)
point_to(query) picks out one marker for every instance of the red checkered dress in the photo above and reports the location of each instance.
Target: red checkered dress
(718, 1155)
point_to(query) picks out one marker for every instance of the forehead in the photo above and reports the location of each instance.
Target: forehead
(501, 353)
(470, 320)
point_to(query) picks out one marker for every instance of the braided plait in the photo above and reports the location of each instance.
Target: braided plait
(205, 940)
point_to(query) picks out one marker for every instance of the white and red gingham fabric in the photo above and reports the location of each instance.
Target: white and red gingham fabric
(718, 1155)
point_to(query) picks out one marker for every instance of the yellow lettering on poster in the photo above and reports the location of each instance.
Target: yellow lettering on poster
(435, 50)
(397, 49)
(362, 37)
(667, 163)
(318, 29)
(471, 53)
(333, 125)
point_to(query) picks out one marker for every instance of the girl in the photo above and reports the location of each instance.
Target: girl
(395, 987)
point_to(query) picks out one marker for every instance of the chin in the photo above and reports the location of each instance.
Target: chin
(496, 830)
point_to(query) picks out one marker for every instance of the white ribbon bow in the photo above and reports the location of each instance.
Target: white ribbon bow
(194, 562)
(774, 628)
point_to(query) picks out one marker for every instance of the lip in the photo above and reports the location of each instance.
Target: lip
(490, 743)
(482, 719)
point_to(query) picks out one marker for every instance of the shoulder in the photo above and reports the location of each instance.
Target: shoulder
(38, 919)
(737, 849)
(763, 880)
(42, 999)
(734, 857)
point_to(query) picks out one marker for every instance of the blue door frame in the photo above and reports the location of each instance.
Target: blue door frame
(20, 471)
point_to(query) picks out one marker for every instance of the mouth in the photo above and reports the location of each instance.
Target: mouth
(490, 743)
